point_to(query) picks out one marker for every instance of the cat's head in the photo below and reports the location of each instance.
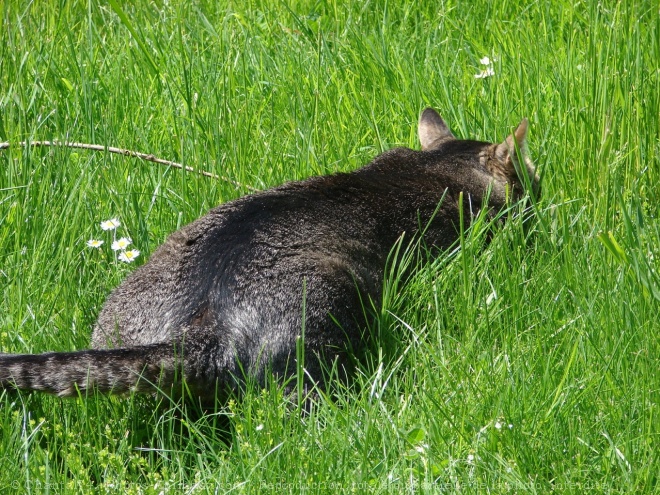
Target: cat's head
(506, 166)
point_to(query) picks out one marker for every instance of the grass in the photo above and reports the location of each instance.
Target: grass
(527, 366)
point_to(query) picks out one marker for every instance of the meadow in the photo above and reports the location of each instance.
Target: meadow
(527, 365)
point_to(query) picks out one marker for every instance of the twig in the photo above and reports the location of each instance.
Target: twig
(121, 151)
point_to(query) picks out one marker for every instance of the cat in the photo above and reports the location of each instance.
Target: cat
(223, 297)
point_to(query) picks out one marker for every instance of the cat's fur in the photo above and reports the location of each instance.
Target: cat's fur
(224, 295)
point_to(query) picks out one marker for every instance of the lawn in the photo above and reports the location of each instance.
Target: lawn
(524, 366)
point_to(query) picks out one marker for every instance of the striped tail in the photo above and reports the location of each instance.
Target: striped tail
(67, 374)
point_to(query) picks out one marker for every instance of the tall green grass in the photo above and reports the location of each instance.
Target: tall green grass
(526, 366)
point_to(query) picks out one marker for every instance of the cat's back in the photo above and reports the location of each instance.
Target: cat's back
(233, 253)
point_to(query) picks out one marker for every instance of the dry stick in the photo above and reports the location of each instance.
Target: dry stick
(120, 151)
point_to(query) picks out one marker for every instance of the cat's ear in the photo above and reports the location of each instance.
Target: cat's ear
(506, 151)
(432, 130)
(510, 159)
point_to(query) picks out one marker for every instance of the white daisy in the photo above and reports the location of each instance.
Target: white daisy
(94, 243)
(487, 72)
(111, 224)
(484, 61)
(121, 244)
(129, 256)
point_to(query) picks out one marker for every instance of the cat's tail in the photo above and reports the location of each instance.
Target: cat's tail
(148, 368)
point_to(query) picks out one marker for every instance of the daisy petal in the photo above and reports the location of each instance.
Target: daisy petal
(111, 224)
(120, 244)
(129, 256)
(487, 72)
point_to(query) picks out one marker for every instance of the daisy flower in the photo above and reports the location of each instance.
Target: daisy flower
(487, 72)
(121, 244)
(111, 224)
(129, 256)
(94, 243)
